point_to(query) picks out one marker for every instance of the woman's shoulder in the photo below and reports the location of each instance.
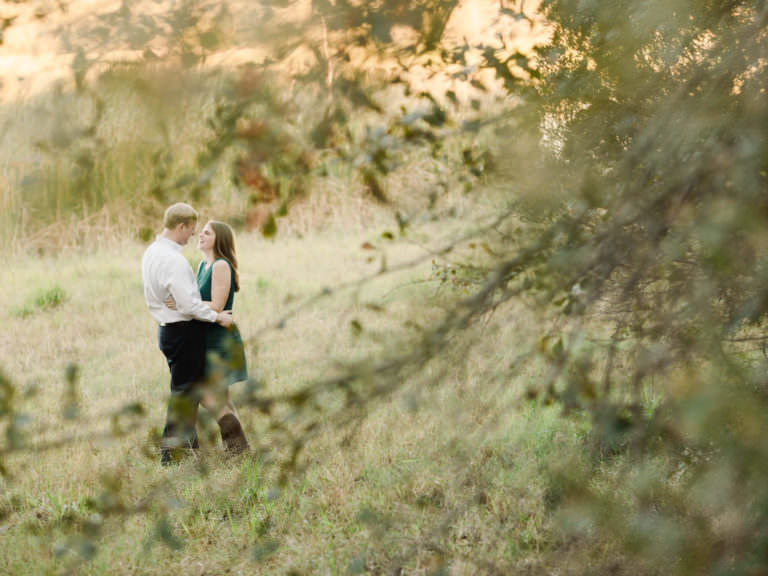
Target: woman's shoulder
(221, 265)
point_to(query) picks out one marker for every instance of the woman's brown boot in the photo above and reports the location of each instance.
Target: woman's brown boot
(232, 435)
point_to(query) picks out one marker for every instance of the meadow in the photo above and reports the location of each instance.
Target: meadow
(446, 472)
(458, 461)
(446, 466)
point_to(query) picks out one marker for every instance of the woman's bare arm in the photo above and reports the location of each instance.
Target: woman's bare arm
(221, 280)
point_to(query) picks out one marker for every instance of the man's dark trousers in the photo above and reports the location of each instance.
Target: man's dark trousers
(183, 344)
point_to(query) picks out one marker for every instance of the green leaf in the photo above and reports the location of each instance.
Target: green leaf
(164, 532)
(373, 186)
(210, 40)
(269, 230)
(265, 548)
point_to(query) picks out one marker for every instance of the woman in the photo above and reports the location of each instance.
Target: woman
(218, 280)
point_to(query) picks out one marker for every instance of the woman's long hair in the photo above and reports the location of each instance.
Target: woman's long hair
(224, 247)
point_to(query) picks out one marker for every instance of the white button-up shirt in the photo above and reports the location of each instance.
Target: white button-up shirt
(167, 273)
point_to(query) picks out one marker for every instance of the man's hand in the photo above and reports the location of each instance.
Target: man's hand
(170, 303)
(225, 318)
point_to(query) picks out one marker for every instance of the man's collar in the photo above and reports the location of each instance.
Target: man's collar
(171, 243)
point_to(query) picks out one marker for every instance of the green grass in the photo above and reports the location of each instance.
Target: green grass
(43, 300)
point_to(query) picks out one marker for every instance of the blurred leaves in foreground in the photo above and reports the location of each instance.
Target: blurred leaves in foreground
(627, 157)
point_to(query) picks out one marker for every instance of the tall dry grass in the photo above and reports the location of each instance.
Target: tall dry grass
(95, 160)
(78, 167)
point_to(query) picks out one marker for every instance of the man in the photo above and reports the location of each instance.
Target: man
(181, 335)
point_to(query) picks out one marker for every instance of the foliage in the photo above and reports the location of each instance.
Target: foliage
(654, 112)
(626, 161)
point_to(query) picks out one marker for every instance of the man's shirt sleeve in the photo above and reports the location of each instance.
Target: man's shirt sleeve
(180, 283)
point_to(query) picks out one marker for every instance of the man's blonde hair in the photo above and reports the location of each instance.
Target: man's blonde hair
(179, 213)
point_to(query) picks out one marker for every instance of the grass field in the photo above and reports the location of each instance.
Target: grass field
(445, 472)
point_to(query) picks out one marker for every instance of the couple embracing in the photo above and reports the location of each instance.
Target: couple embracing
(196, 330)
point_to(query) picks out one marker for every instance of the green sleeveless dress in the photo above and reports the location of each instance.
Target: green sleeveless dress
(225, 353)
